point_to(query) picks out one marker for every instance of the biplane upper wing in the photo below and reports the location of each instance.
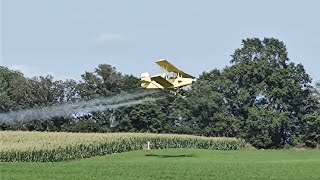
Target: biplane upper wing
(171, 68)
(163, 82)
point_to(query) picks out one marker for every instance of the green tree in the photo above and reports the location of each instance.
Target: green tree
(146, 117)
(262, 97)
(267, 81)
(14, 90)
(203, 110)
(312, 133)
(45, 92)
(103, 82)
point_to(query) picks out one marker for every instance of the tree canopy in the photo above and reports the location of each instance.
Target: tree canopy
(261, 97)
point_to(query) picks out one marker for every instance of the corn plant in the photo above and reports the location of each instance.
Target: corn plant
(51, 147)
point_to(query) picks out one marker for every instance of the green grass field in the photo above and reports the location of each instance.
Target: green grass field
(177, 164)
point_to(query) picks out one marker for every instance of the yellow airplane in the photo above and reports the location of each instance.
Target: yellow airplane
(175, 80)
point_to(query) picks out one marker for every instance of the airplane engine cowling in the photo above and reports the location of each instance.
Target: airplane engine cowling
(145, 80)
(145, 75)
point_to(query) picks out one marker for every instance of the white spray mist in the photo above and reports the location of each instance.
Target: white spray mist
(62, 110)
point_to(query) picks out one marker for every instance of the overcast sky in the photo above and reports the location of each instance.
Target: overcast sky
(68, 37)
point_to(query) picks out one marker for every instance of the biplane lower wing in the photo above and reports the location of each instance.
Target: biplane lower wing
(162, 81)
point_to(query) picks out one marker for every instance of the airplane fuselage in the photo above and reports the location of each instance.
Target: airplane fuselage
(179, 78)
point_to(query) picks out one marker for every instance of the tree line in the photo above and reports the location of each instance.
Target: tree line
(261, 97)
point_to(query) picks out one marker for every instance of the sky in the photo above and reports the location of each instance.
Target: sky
(65, 38)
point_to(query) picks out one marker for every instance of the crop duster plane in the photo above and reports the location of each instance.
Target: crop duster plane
(177, 79)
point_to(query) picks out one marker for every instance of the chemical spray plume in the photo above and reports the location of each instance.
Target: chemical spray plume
(63, 110)
(119, 105)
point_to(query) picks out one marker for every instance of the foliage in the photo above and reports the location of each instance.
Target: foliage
(261, 97)
(13, 90)
(146, 117)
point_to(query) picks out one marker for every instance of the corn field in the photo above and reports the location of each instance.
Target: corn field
(52, 147)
